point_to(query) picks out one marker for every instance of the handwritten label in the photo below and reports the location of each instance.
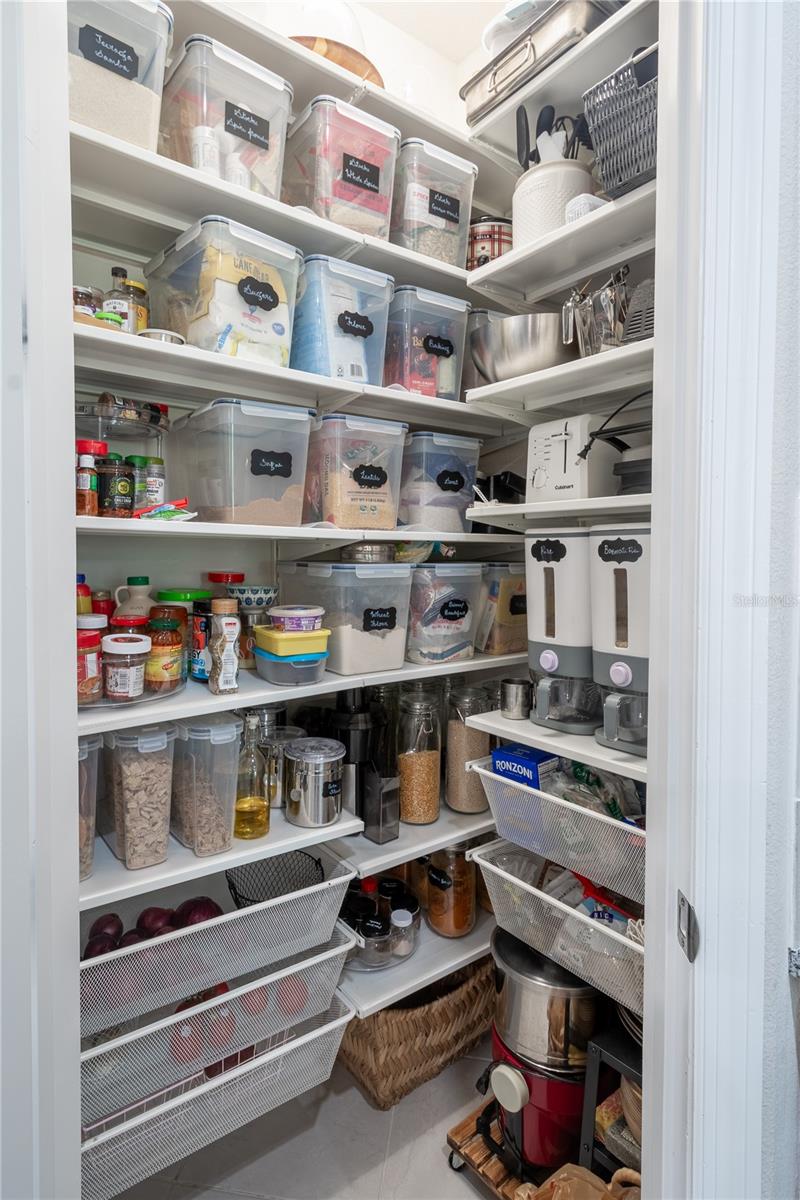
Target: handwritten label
(620, 550)
(246, 125)
(548, 550)
(257, 295)
(270, 462)
(108, 52)
(439, 879)
(518, 605)
(451, 481)
(360, 173)
(442, 205)
(454, 610)
(370, 477)
(355, 323)
(379, 618)
(441, 347)
(332, 788)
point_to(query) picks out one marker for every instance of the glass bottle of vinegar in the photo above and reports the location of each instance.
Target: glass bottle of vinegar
(252, 805)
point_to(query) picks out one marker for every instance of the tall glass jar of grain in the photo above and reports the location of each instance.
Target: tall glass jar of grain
(419, 759)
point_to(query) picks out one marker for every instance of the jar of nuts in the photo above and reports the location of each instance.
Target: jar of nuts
(419, 759)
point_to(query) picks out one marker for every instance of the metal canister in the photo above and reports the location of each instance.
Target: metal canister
(313, 781)
(369, 552)
(489, 237)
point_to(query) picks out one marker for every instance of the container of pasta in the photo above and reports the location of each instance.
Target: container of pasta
(353, 474)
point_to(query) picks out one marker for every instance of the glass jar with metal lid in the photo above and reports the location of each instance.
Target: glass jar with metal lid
(313, 781)
(464, 788)
(369, 552)
(419, 758)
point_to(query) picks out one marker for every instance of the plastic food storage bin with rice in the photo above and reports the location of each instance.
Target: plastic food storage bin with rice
(438, 479)
(425, 342)
(227, 288)
(117, 54)
(366, 610)
(353, 475)
(226, 116)
(242, 461)
(445, 600)
(340, 320)
(340, 163)
(432, 201)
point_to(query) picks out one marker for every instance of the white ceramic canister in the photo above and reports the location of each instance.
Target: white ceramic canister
(541, 196)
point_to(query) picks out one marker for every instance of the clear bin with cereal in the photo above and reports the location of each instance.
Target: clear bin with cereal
(432, 201)
(503, 627)
(465, 792)
(243, 461)
(353, 475)
(204, 782)
(117, 54)
(227, 288)
(445, 599)
(133, 817)
(226, 116)
(425, 342)
(419, 760)
(88, 761)
(340, 163)
(439, 471)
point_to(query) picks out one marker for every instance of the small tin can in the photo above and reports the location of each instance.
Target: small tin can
(489, 237)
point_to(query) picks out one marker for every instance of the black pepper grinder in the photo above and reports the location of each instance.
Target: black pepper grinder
(352, 723)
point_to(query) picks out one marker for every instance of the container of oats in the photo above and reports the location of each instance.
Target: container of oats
(204, 782)
(133, 818)
(432, 201)
(353, 474)
(227, 288)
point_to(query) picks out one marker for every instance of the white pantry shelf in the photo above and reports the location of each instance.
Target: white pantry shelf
(519, 517)
(368, 857)
(111, 881)
(568, 745)
(370, 991)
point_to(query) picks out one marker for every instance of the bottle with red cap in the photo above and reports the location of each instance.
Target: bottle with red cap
(219, 580)
(86, 497)
(132, 623)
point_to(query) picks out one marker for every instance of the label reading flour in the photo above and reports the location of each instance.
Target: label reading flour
(376, 619)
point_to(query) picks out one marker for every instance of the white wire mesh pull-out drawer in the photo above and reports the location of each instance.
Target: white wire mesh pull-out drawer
(128, 983)
(611, 962)
(123, 1156)
(172, 1046)
(608, 852)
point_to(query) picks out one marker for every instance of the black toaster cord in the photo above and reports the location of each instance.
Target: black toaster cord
(584, 453)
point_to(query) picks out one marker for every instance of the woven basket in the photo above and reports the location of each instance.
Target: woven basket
(398, 1049)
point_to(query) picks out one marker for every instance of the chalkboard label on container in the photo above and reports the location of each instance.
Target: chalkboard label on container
(356, 323)
(548, 550)
(620, 550)
(439, 879)
(270, 462)
(332, 788)
(440, 346)
(257, 295)
(451, 481)
(379, 618)
(442, 205)
(518, 605)
(454, 609)
(370, 477)
(108, 52)
(246, 125)
(360, 173)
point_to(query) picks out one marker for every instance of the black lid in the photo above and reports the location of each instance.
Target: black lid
(374, 927)
(391, 887)
(362, 906)
(407, 900)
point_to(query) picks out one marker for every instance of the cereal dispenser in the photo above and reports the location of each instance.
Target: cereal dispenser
(620, 582)
(560, 630)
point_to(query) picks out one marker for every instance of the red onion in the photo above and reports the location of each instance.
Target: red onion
(193, 912)
(110, 924)
(151, 920)
(131, 938)
(101, 943)
(165, 929)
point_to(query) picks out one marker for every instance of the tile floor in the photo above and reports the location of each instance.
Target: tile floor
(330, 1144)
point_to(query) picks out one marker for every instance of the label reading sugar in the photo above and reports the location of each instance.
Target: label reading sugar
(440, 346)
(332, 788)
(108, 52)
(257, 295)
(355, 323)
(454, 609)
(379, 618)
(450, 481)
(246, 125)
(518, 605)
(370, 477)
(360, 173)
(270, 462)
(439, 879)
(442, 205)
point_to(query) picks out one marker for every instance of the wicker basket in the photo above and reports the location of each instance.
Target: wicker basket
(622, 114)
(396, 1050)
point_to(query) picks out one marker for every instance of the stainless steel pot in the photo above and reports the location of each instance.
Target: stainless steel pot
(517, 345)
(545, 1015)
(313, 781)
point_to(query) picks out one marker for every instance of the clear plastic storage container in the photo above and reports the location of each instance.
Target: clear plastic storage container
(293, 671)
(134, 815)
(243, 461)
(366, 610)
(204, 782)
(353, 475)
(117, 54)
(226, 116)
(438, 479)
(503, 627)
(228, 289)
(340, 163)
(88, 759)
(340, 320)
(425, 342)
(445, 606)
(432, 201)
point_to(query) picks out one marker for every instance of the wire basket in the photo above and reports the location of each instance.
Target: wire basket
(609, 852)
(610, 962)
(256, 882)
(622, 112)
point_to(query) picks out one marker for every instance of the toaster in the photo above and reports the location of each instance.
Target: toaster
(555, 472)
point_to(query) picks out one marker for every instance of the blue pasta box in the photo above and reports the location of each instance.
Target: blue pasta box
(525, 765)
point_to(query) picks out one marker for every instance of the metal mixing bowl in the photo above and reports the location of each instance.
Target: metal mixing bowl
(517, 345)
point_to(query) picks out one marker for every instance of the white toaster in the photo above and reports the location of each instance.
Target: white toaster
(555, 472)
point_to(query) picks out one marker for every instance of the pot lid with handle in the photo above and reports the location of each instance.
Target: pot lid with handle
(520, 962)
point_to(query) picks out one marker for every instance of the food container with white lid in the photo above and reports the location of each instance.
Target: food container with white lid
(340, 320)
(340, 163)
(242, 461)
(227, 288)
(204, 782)
(133, 817)
(296, 616)
(313, 781)
(88, 761)
(366, 610)
(353, 475)
(432, 201)
(503, 625)
(117, 54)
(295, 670)
(225, 115)
(445, 606)
(438, 479)
(425, 342)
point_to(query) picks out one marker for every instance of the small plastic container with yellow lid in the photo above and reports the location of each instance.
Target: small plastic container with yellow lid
(284, 643)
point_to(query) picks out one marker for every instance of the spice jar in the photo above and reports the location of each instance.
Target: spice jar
(419, 759)
(129, 300)
(138, 464)
(465, 791)
(452, 907)
(163, 670)
(115, 487)
(155, 481)
(86, 504)
(90, 661)
(124, 659)
(389, 890)
(377, 935)
(419, 879)
(223, 646)
(404, 934)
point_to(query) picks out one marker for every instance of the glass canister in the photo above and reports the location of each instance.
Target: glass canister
(464, 788)
(419, 759)
(419, 879)
(247, 638)
(272, 746)
(452, 904)
(313, 781)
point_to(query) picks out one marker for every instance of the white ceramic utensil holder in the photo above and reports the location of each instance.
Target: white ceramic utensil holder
(541, 196)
